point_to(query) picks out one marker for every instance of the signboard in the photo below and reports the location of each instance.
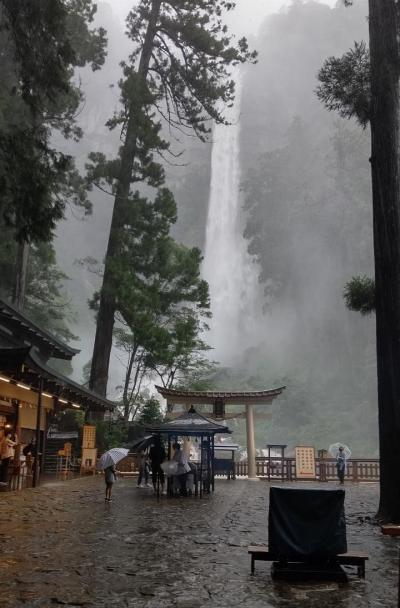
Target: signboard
(54, 433)
(89, 436)
(305, 462)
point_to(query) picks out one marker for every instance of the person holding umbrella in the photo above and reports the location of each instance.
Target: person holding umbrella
(342, 453)
(341, 464)
(157, 456)
(107, 464)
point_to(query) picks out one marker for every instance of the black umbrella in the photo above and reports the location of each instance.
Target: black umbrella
(139, 444)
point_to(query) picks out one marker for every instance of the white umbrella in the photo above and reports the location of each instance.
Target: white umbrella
(108, 459)
(334, 450)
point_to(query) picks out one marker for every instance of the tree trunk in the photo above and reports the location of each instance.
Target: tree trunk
(21, 267)
(107, 305)
(385, 155)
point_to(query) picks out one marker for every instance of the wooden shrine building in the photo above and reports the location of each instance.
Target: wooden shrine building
(31, 389)
(222, 405)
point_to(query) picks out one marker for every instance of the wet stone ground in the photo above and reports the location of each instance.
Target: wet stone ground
(62, 545)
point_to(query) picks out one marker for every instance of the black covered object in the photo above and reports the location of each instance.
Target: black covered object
(306, 523)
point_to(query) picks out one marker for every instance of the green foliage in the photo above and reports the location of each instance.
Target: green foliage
(69, 420)
(150, 412)
(346, 84)
(37, 96)
(192, 52)
(45, 301)
(283, 190)
(110, 434)
(161, 299)
(159, 295)
(197, 375)
(359, 294)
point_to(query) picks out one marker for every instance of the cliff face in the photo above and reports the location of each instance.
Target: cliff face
(306, 191)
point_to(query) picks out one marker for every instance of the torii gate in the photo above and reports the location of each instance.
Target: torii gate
(218, 400)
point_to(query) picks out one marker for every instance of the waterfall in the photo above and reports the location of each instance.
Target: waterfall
(231, 272)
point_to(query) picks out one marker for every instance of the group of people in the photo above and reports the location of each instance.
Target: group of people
(152, 462)
(9, 444)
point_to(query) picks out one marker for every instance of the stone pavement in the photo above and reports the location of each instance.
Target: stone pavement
(62, 545)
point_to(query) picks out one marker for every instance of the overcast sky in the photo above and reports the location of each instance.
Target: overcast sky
(247, 15)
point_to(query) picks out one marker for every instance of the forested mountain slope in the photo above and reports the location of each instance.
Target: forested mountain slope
(306, 189)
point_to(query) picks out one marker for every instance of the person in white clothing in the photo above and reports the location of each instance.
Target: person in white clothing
(6, 454)
(183, 467)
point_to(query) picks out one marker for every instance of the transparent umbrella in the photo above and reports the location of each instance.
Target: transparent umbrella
(334, 450)
(108, 459)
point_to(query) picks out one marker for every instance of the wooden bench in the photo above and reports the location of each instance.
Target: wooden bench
(351, 558)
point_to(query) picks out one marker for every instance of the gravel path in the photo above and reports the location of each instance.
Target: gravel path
(63, 545)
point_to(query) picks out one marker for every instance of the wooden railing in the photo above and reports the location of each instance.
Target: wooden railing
(128, 465)
(284, 469)
(20, 478)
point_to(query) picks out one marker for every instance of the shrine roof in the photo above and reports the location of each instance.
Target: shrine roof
(189, 423)
(21, 331)
(25, 364)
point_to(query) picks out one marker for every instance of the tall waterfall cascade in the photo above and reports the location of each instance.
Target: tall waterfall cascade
(231, 272)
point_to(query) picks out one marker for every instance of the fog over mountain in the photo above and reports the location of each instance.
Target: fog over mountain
(299, 180)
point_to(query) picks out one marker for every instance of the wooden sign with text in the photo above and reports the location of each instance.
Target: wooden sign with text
(305, 462)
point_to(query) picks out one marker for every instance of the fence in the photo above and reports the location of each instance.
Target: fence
(284, 469)
(128, 465)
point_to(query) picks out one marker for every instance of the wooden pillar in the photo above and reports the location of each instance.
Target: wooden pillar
(251, 450)
(201, 466)
(36, 468)
(46, 423)
(16, 471)
(212, 456)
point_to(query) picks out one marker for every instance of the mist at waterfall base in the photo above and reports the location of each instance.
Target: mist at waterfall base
(300, 227)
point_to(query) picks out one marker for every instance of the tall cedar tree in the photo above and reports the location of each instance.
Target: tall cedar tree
(180, 67)
(384, 34)
(41, 44)
(159, 292)
(384, 118)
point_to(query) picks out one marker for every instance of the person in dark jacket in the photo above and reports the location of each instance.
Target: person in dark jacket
(157, 456)
(341, 464)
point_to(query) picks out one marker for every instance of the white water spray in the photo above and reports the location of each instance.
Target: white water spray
(231, 272)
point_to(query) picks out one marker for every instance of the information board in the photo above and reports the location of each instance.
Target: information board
(305, 462)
